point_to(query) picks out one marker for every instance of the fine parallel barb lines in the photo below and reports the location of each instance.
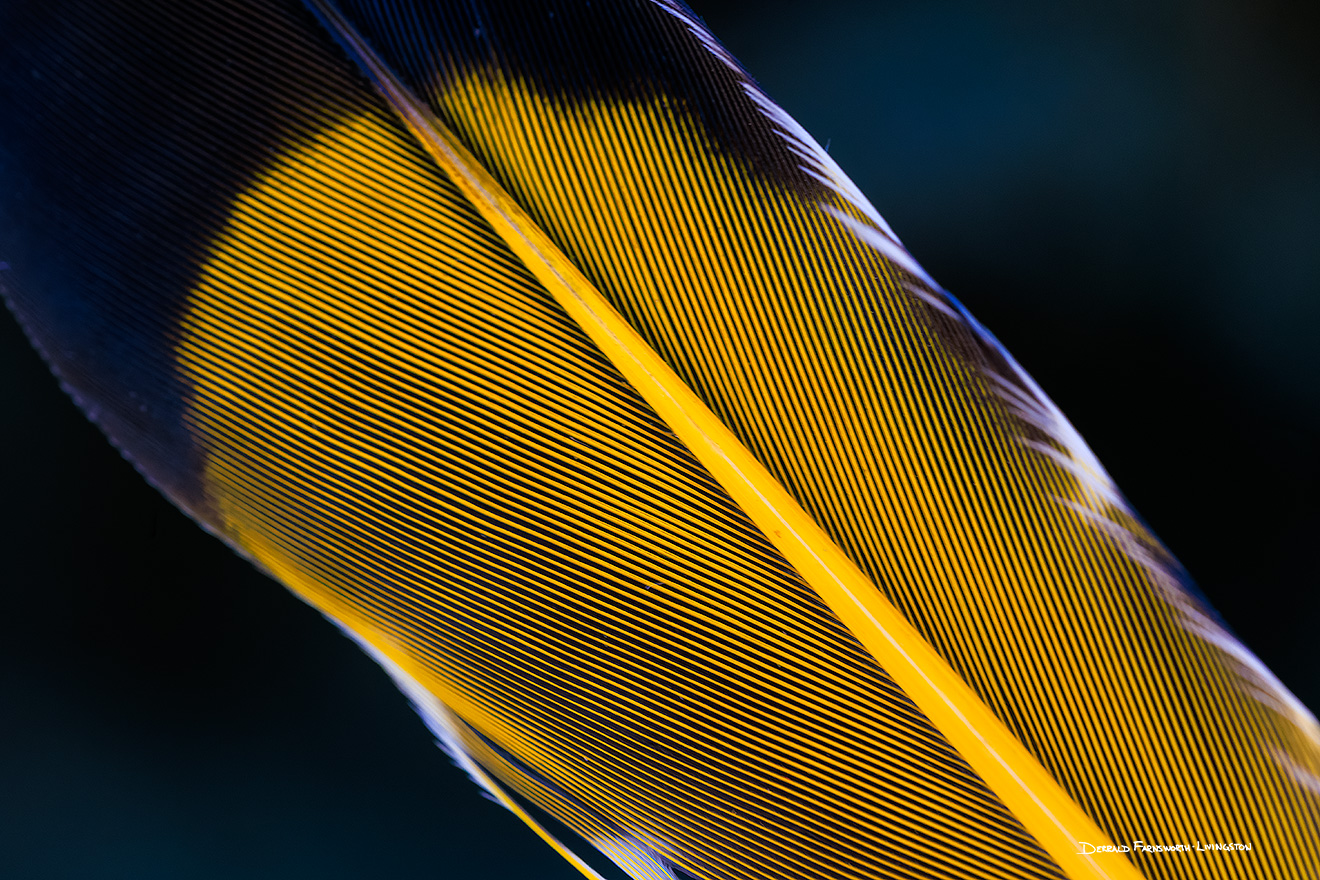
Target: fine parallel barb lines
(936, 301)
(1256, 678)
(889, 247)
(1076, 457)
(1303, 777)
(704, 36)
(1028, 402)
(634, 857)
(638, 854)
(820, 165)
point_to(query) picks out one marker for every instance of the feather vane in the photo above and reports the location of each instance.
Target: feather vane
(546, 355)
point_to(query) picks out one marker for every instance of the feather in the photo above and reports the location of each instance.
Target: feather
(542, 352)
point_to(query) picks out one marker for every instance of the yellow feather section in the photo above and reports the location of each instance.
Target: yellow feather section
(940, 471)
(1047, 813)
(403, 426)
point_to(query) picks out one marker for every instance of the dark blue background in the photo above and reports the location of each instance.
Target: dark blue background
(1127, 193)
